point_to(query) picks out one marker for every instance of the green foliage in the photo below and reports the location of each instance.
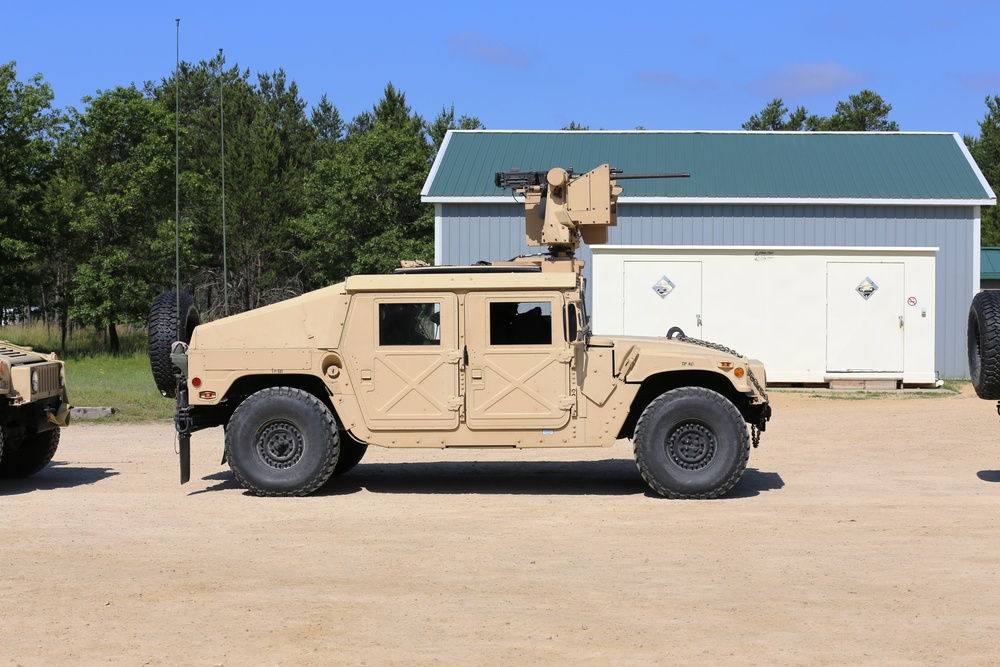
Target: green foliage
(121, 165)
(363, 205)
(574, 127)
(446, 121)
(87, 209)
(772, 118)
(864, 112)
(29, 130)
(985, 149)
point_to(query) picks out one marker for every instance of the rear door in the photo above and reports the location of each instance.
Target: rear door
(405, 361)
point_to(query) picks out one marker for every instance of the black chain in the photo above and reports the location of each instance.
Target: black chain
(754, 430)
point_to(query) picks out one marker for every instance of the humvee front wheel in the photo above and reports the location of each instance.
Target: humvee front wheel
(282, 441)
(984, 344)
(32, 453)
(691, 442)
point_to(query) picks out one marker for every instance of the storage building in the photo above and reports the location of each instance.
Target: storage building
(754, 192)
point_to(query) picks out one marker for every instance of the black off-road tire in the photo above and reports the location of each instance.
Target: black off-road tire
(33, 452)
(351, 453)
(282, 441)
(984, 344)
(691, 442)
(166, 326)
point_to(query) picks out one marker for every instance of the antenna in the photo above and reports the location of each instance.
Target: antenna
(177, 174)
(222, 138)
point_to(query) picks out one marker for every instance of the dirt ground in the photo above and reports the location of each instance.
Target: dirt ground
(864, 531)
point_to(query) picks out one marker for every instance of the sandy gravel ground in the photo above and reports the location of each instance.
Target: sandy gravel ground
(864, 532)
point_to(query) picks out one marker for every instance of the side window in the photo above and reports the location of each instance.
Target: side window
(520, 323)
(409, 324)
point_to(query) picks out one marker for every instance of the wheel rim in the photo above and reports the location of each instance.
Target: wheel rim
(280, 445)
(691, 445)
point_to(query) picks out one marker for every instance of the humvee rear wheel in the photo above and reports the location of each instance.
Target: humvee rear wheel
(351, 453)
(984, 344)
(691, 442)
(167, 324)
(282, 441)
(33, 452)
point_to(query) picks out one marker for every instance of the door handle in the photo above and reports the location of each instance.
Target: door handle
(900, 321)
(697, 319)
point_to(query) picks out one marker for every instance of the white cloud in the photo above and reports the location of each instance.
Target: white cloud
(473, 46)
(803, 79)
(673, 79)
(988, 81)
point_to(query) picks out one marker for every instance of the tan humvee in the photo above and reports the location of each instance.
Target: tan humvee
(33, 405)
(480, 356)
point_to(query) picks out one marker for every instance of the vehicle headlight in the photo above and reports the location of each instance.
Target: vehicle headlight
(34, 381)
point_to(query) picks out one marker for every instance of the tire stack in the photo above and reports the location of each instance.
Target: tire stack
(984, 344)
(168, 324)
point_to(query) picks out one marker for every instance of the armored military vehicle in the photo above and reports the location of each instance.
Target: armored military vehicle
(497, 355)
(33, 406)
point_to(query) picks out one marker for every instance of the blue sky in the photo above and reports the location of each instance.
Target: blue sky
(539, 65)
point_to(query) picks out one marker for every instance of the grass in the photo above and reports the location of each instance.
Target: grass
(81, 341)
(123, 382)
(95, 378)
(948, 388)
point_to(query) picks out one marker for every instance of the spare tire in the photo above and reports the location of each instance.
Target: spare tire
(167, 324)
(984, 344)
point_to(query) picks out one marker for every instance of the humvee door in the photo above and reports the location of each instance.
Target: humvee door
(518, 371)
(405, 361)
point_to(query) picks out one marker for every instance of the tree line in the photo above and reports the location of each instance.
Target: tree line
(89, 214)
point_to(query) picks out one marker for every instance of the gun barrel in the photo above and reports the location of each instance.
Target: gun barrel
(619, 177)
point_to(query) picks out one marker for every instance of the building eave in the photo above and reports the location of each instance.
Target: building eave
(737, 201)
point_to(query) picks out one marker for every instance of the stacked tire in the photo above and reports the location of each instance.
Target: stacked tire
(984, 344)
(170, 320)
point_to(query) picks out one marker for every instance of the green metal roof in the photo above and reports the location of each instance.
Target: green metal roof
(989, 263)
(868, 167)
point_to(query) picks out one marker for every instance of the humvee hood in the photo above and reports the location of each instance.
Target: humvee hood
(313, 320)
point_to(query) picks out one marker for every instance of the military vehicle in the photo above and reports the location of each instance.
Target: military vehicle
(33, 407)
(497, 355)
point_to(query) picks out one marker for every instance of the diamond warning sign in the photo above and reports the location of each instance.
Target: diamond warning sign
(663, 287)
(866, 288)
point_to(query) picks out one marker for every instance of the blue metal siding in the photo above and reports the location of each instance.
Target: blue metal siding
(471, 232)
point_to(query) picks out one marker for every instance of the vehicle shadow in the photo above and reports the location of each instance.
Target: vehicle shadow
(989, 475)
(610, 477)
(56, 475)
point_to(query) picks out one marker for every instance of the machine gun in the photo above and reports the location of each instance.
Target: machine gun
(562, 208)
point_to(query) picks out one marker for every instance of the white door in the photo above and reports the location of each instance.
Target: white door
(865, 317)
(660, 295)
